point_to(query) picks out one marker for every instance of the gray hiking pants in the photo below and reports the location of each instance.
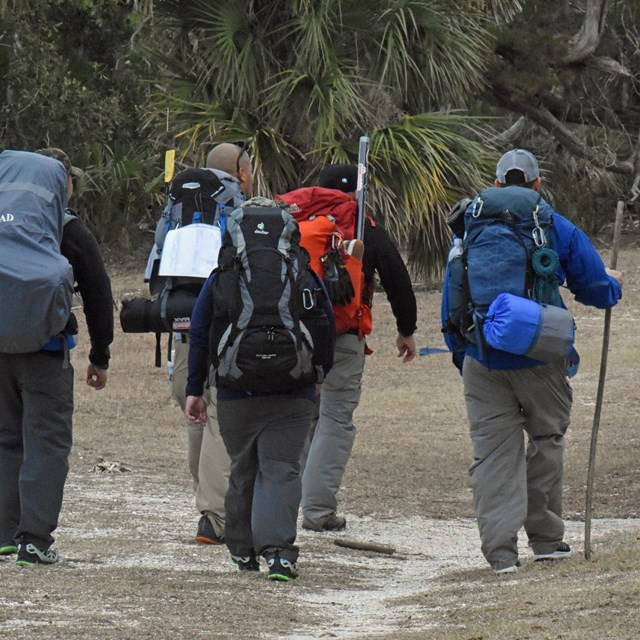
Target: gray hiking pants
(511, 487)
(264, 436)
(36, 409)
(206, 454)
(332, 439)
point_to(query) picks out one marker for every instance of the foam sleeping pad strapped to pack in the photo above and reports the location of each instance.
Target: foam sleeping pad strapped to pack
(522, 326)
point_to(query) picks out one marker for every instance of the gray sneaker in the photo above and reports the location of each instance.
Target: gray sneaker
(246, 563)
(29, 555)
(513, 568)
(562, 551)
(332, 522)
(281, 569)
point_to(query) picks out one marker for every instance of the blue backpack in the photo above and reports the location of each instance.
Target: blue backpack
(36, 280)
(507, 249)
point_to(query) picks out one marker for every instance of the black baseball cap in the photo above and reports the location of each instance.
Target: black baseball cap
(343, 177)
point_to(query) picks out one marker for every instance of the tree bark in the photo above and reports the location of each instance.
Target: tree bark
(586, 41)
(544, 118)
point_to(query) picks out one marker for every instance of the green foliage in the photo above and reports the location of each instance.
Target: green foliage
(582, 116)
(303, 80)
(70, 79)
(120, 194)
(522, 69)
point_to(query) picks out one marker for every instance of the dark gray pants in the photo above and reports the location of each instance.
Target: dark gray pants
(36, 408)
(513, 487)
(264, 437)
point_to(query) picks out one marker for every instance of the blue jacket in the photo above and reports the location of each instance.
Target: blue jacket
(584, 274)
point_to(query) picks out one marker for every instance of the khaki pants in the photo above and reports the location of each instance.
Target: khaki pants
(513, 487)
(334, 433)
(207, 457)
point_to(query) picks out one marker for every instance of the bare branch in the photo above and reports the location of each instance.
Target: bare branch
(511, 134)
(365, 546)
(563, 133)
(585, 42)
(635, 187)
(608, 65)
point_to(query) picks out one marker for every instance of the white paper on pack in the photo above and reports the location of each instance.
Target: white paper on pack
(191, 251)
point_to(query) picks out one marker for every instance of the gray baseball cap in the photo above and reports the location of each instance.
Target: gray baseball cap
(519, 159)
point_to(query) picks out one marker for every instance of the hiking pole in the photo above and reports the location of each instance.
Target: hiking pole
(600, 393)
(363, 183)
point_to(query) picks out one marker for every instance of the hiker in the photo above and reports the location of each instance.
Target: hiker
(36, 397)
(248, 319)
(519, 352)
(207, 457)
(334, 433)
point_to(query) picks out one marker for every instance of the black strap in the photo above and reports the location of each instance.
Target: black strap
(158, 350)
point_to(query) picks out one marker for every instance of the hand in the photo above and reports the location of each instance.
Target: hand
(96, 378)
(615, 274)
(406, 347)
(196, 410)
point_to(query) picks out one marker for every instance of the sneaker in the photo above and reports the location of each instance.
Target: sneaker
(29, 555)
(513, 568)
(8, 549)
(333, 522)
(206, 533)
(563, 551)
(247, 563)
(281, 569)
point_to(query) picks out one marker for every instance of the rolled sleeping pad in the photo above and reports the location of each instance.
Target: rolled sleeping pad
(524, 327)
(140, 315)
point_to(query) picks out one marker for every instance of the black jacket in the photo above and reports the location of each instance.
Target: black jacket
(81, 249)
(381, 256)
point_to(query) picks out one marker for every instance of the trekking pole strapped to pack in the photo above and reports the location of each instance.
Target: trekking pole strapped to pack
(362, 185)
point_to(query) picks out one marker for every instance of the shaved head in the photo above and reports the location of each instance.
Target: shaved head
(224, 157)
(230, 158)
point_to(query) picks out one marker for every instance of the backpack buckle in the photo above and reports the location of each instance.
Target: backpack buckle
(477, 208)
(307, 299)
(538, 233)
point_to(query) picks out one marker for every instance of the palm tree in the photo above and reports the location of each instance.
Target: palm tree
(302, 80)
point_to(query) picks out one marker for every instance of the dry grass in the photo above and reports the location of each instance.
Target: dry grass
(131, 570)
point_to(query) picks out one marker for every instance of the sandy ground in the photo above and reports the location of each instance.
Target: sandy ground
(131, 570)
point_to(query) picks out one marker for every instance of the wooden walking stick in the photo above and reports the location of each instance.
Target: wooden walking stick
(600, 394)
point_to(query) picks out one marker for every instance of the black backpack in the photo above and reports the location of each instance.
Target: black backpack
(272, 329)
(205, 192)
(196, 195)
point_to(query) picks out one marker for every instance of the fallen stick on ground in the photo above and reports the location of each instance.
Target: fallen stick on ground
(365, 546)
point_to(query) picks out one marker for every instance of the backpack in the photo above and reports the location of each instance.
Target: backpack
(187, 243)
(327, 221)
(36, 280)
(197, 195)
(507, 250)
(272, 328)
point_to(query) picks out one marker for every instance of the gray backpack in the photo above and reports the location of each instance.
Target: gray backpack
(203, 194)
(36, 280)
